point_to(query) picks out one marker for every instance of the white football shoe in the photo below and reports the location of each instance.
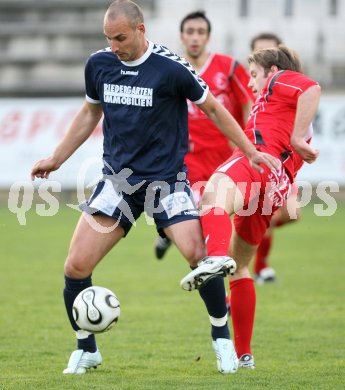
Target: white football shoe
(227, 361)
(207, 269)
(247, 361)
(80, 361)
(266, 275)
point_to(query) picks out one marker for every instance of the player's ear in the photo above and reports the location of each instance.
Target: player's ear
(141, 27)
(274, 68)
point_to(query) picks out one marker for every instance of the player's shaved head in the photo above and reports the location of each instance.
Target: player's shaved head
(125, 8)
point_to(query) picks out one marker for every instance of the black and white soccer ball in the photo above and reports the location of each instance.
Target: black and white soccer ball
(96, 309)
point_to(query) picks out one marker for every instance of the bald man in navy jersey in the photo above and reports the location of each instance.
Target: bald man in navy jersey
(141, 88)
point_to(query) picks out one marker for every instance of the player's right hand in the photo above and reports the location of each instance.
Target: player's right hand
(43, 168)
(270, 161)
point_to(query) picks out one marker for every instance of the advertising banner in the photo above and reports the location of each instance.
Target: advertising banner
(30, 129)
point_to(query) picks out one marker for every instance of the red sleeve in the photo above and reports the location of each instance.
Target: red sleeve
(291, 85)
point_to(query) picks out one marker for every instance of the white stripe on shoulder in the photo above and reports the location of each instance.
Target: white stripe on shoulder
(165, 52)
(289, 85)
(105, 50)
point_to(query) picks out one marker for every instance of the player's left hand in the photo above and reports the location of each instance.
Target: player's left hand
(270, 161)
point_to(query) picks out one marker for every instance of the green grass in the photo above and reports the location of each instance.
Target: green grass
(162, 339)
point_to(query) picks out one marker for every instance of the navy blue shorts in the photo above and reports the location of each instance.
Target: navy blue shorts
(165, 203)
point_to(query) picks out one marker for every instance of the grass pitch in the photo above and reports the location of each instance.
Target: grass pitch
(162, 340)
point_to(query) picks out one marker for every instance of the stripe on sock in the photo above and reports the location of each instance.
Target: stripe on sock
(218, 321)
(82, 334)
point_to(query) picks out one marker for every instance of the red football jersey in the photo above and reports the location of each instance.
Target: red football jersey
(272, 118)
(228, 81)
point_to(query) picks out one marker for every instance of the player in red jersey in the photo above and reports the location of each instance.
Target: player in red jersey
(228, 81)
(278, 124)
(290, 211)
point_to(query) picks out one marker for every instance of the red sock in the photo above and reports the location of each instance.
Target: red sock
(217, 228)
(243, 300)
(262, 253)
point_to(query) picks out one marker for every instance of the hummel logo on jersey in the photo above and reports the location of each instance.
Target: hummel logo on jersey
(129, 72)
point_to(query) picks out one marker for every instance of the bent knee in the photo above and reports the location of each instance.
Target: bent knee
(195, 253)
(76, 267)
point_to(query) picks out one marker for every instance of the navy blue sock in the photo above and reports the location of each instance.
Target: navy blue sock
(71, 290)
(213, 295)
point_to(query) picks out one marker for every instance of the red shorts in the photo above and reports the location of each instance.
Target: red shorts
(202, 164)
(263, 194)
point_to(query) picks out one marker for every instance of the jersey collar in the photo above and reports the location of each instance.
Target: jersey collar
(142, 59)
(206, 64)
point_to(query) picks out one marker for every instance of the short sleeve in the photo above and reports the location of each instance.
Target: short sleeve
(190, 84)
(90, 88)
(292, 84)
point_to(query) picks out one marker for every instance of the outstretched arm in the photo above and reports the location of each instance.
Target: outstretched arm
(81, 128)
(232, 130)
(306, 109)
(246, 108)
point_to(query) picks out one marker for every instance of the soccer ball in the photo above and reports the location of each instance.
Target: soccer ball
(96, 309)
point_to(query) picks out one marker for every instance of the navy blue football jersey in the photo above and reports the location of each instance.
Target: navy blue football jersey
(145, 110)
